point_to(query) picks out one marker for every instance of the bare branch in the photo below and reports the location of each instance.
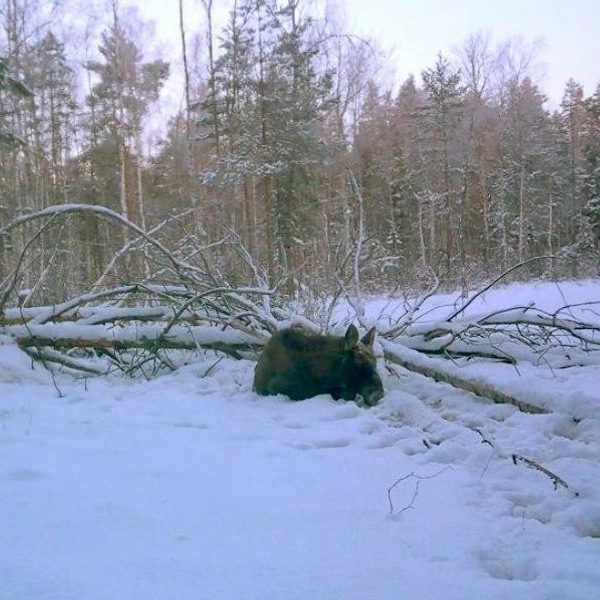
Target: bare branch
(556, 480)
(495, 281)
(419, 478)
(13, 278)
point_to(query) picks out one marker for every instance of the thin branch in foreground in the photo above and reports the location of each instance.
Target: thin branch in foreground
(528, 462)
(408, 318)
(532, 464)
(359, 308)
(49, 355)
(10, 286)
(490, 285)
(412, 475)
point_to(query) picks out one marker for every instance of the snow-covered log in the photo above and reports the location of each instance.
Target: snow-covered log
(150, 337)
(508, 334)
(444, 372)
(186, 304)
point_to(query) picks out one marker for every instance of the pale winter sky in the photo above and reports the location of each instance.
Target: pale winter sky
(416, 30)
(420, 28)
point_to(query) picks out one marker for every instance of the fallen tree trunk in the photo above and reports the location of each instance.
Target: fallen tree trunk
(187, 304)
(117, 332)
(60, 336)
(48, 338)
(90, 316)
(418, 363)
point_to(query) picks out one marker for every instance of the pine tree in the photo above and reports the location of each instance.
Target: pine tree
(120, 101)
(441, 115)
(54, 112)
(269, 97)
(591, 176)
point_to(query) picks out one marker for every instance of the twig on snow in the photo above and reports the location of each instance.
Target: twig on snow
(529, 462)
(411, 475)
(556, 480)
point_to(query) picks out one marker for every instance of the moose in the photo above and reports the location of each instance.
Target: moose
(301, 365)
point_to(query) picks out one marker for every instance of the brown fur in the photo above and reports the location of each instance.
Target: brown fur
(302, 365)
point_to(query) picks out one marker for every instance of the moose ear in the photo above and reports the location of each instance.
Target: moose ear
(369, 337)
(351, 338)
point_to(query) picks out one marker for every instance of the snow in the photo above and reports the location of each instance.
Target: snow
(190, 486)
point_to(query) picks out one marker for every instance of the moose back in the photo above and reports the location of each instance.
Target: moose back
(302, 365)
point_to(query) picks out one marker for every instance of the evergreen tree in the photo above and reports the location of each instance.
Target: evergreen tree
(269, 98)
(53, 115)
(440, 116)
(591, 178)
(119, 103)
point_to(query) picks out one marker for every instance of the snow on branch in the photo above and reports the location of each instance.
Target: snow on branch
(62, 335)
(448, 373)
(509, 334)
(197, 309)
(220, 320)
(101, 211)
(513, 334)
(188, 305)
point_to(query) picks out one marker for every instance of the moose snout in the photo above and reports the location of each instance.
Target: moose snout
(372, 394)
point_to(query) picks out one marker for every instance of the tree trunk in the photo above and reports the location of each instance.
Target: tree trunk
(416, 362)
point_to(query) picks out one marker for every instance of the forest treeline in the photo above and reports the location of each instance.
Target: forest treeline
(290, 164)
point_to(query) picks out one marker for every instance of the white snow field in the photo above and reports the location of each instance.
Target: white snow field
(192, 487)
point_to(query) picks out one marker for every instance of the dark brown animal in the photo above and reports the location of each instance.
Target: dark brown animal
(302, 365)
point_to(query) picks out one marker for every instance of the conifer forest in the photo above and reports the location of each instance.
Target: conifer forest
(288, 161)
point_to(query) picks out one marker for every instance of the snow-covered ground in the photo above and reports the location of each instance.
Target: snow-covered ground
(190, 486)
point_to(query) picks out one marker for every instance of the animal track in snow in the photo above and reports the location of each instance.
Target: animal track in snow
(507, 559)
(191, 425)
(320, 444)
(24, 475)
(340, 442)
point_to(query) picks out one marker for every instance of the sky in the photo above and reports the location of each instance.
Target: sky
(419, 29)
(414, 31)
